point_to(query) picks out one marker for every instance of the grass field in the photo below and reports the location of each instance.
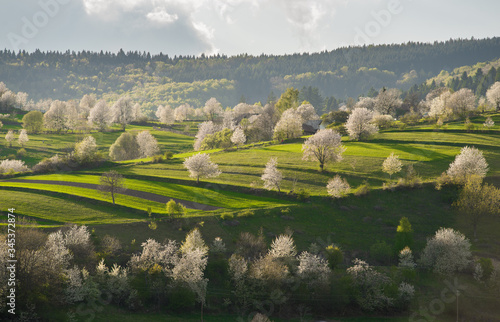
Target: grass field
(354, 223)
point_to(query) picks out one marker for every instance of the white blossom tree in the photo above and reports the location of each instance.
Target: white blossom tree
(359, 124)
(313, 269)
(388, 101)
(392, 164)
(283, 246)
(439, 105)
(488, 123)
(406, 258)
(137, 114)
(12, 166)
(447, 252)
(122, 111)
(181, 112)
(289, 126)
(366, 102)
(462, 102)
(469, 162)
(338, 187)
(272, 176)
(238, 138)
(204, 129)
(165, 114)
(23, 137)
(323, 146)
(86, 150)
(148, 146)
(307, 112)
(212, 109)
(493, 95)
(99, 116)
(200, 166)
(9, 137)
(87, 102)
(58, 116)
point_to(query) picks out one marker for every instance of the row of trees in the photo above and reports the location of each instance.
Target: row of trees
(64, 266)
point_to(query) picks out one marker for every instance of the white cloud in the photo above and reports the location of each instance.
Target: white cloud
(207, 34)
(161, 16)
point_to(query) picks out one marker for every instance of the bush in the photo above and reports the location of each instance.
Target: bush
(363, 189)
(227, 216)
(168, 155)
(21, 153)
(469, 126)
(401, 125)
(383, 121)
(175, 210)
(486, 266)
(334, 255)
(157, 158)
(381, 252)
(246, 213)
(181, 299)
(303, 195)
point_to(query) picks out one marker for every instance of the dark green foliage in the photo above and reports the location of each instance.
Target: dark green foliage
(381, 252)
(335, 117)
(181, 298)
(303, 195)
(221, 139)
(334, 255)
(168, 155)
(486, 266)
(404, 235)
(288, 99)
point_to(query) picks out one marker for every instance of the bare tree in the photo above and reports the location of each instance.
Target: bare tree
(112, 182)
(323, 146)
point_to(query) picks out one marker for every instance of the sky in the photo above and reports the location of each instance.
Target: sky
(232, 27)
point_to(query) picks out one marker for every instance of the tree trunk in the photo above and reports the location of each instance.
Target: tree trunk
(113, 197)
(321, 165)
(201, 311)
(198, 180)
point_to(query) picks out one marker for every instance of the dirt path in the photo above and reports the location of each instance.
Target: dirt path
(132, 193)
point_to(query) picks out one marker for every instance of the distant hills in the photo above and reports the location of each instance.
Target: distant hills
(160, 79)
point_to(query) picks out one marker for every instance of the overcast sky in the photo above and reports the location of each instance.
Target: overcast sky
(238, 26)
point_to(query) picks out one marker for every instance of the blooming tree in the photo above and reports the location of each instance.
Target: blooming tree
(212, 109)
(307, 112)
(392, 164)
(283, 247)
(406, 258)
(493, 95)
(148, 145)
(469, 162)
(13, 166)
(86, 150)
(447, 252)
(272, 176)
(99, 116)
(289, 126)
(122, 112)
(388, 101)
(323, 146)
(59, 116)
(165, 114)
(238, 138)
(200, 166)
(313, 268)
(438, 105)
(9, 137)
(462, 102)
(204, 129)
(181, 112)
(488, 123)
(359, 124)
(338, 187)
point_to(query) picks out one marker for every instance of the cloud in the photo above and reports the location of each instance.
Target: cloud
(161, 16)
(306, 18)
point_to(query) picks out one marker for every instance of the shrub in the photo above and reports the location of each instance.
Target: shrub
(303, 195)
(404, 235)
(168, 155)
(246, 213)
(363, 189)
(334, 255)
(469, 126)
(21, 153)
(487, 267)
(8, 166)
(383, 121)
(227, 216)
(175, 210)
(381, 252)
(401, 125)
(157, 158)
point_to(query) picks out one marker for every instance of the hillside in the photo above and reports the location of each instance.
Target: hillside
(159, 79)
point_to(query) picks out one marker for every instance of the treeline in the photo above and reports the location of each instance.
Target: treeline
(343, 72)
